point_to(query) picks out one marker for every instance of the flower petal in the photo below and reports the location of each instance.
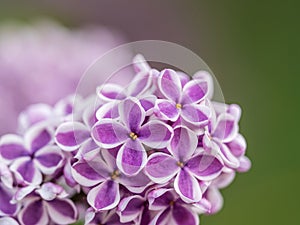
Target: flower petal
(70, 135)
(130, 208)
(6, 207)
(245, 164)
(208, 143)
(182, 215)
(23, 192)
(89, 113)
(139, 84)
(34, 213)
(136, 184)
(85, 174)
(26, 171)
(183, 143)
(159, 199)
(49, 159)
(228, 158)
(161, 167)
(226, 128)
(108, 133)
(235, 110)
(8, 221)
(140, 63)
(204, 75)
(34, 114)
(62, 211)
(167, 109)
(187, 187)
(184, 78)
(155, 134)
(131, 158)
(109, 110)
(170, 85)
(238, 146)
(67, 171)
(205, 167)
(196, 114)
(148, 103)
(37, 137)
(109, 156)
(132, 114)
(224, 180)
(104, 196)
(110, 92)
(194, 91)
(49, 191)
(215, 198)
(164, 217)
(85, 148)
(6, 176)
(11, 147)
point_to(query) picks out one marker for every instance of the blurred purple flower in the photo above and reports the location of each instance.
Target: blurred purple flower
(45, 53)
(6, 207)
(45, 205)
(31, 155)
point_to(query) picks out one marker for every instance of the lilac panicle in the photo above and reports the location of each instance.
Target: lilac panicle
(156, 152)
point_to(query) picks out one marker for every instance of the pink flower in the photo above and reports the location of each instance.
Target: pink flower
(44, 62)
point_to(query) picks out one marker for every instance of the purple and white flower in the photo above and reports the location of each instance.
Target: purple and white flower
(102, 173)
(31, 156)
(182, 102)
(171, 209)
(222, 137)
(7, 208)
(45, 205)
(185, 164)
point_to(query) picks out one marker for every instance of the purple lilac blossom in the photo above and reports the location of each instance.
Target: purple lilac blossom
(41, 53)
(156, 152)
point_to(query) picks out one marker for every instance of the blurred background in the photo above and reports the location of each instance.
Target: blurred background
(251, 46)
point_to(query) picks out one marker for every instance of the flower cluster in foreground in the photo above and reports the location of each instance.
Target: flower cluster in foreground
(156, 152)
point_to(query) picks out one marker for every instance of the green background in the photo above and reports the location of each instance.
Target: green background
(253, 49)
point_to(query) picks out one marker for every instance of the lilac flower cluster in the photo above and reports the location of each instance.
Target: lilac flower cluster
(156, 152)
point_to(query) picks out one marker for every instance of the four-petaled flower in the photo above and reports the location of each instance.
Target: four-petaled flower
(183, 102)
(32, 155)
(44, 204)
(222, 137)
(101, 171)
(131, 132)
(188, 165)
(171, 209)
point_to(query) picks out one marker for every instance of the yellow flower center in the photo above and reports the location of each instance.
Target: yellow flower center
(133, 136)
(180, 164)
(178, 106)
(115, 174)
